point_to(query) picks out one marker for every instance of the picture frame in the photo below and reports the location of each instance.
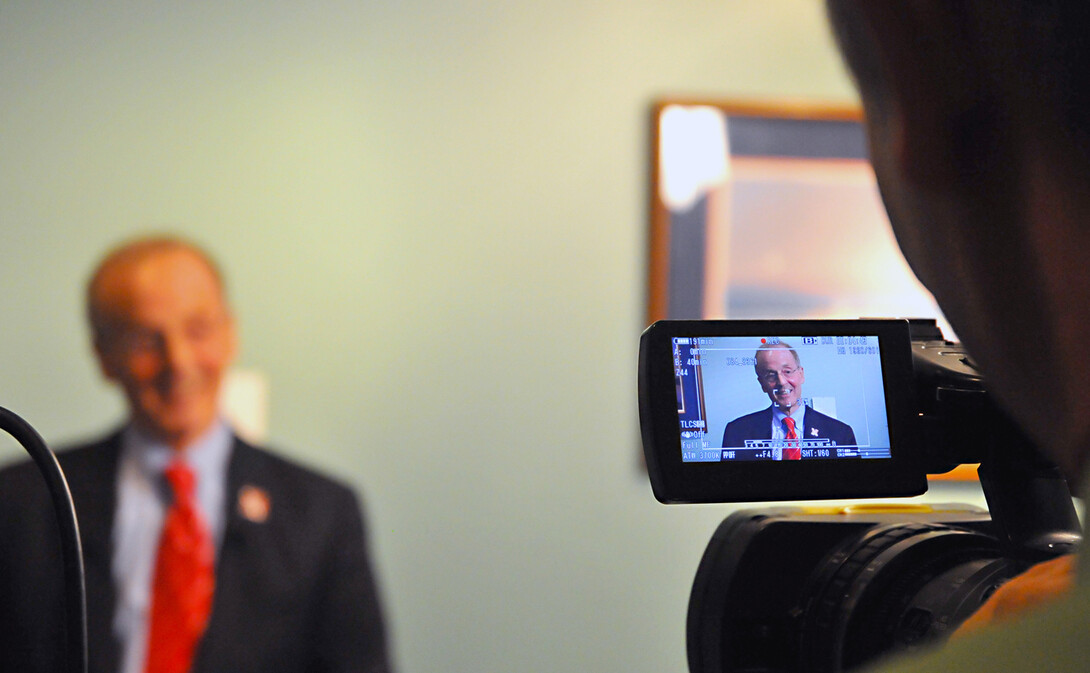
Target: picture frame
(770, 210)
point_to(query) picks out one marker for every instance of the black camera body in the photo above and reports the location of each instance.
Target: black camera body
(825, 589)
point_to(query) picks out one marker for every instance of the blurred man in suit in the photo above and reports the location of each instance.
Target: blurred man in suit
(202, 553)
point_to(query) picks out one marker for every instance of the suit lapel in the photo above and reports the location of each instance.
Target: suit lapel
(92, 479)
(236, 551)
(812, 420)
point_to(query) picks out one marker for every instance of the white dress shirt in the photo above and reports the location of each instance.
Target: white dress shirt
(143, 496)
(779, 432)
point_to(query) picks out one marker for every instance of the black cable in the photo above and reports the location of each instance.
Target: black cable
(71, 549)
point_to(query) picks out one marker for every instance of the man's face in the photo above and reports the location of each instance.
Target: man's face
(781, 377)
(167, 341)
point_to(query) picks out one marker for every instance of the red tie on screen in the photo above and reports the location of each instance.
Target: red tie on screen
(182, 591)
(792, 451)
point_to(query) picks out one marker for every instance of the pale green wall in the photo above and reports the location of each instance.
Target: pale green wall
(433, 218)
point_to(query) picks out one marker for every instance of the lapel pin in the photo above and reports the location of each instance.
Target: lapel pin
(254, 504)
(814, 432)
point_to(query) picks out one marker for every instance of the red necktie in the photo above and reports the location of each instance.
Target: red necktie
(182, 591)
(792, 451)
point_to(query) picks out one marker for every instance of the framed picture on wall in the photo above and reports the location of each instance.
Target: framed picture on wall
(770, 210)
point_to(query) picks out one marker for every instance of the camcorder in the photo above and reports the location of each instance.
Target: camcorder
(804, 410)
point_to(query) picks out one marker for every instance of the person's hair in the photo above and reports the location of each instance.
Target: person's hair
(1035, 53)
(132, 252)
(779, 344)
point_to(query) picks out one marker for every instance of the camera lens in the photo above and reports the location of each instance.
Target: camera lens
(896, 588)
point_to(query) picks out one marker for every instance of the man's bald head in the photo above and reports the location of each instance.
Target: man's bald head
(127, 257)
(163, 332)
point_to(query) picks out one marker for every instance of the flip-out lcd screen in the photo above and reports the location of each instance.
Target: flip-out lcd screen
(780, 397)
(735, 411)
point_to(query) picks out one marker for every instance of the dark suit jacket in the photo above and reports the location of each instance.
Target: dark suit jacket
(758, 425)
(293, 593)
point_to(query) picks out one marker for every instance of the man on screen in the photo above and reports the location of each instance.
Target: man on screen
(781, 376)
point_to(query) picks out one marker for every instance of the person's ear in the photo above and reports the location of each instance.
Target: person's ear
(106, 360)
(232, 337)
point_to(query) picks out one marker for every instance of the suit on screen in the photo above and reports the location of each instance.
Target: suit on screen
(758, 425)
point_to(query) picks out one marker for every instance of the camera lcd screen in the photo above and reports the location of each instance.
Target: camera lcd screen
(736, 411)
(790, 397)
